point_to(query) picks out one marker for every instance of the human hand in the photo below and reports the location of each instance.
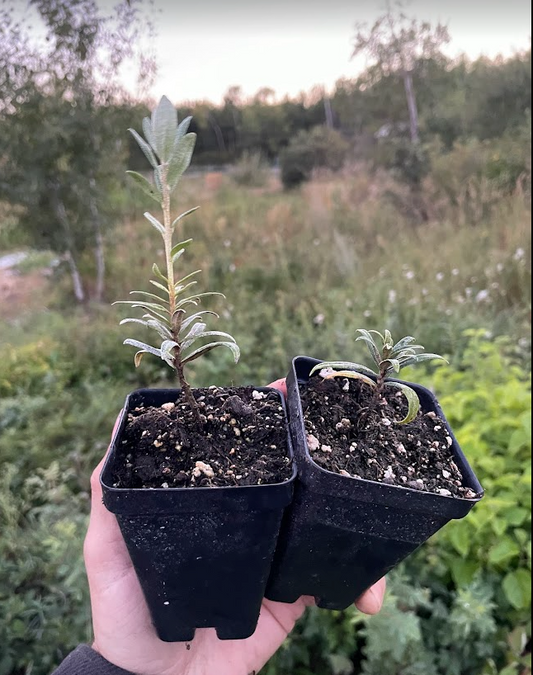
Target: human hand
(123, 630)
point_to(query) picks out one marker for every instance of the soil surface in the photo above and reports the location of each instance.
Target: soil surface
(353, 432)
(242, 441)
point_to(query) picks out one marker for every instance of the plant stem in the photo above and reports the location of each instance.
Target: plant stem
(175, 317)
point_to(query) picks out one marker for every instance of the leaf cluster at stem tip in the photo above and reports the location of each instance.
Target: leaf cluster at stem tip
(170, 308)
(390, 358)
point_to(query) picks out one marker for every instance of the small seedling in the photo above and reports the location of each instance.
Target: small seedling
(170, 310)
(389, 358)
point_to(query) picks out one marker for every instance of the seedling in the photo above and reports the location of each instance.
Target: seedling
(170, 310)
(389, 358)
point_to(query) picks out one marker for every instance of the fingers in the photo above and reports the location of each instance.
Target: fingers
(371, 601)
(281, 385)
(104, 550)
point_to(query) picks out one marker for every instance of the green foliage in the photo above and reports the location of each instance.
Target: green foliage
(487, 400)
(321, 147)
(251, 170)
(43, 590)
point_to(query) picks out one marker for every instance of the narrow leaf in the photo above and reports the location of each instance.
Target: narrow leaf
(194, 299)
(353, 375)
(207, 348)
(160, 286)
(413, 401)
(151, 219)
(209, 333)
(403, 343)
(147, 150)
(145, 305)
(418, 358)
(180, 217)
(164, 123)
(145, 185)
(143, 346)
(158, 273)
(154, 297)
(167, 349)
(344, 365)
(180, 283)
(194, 317)
(371, 344)
(151, 323)
(181, 246)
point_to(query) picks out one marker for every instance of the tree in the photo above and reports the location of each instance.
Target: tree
(396, 44)
(58, 121)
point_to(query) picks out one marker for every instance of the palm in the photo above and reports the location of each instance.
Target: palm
(123, 630)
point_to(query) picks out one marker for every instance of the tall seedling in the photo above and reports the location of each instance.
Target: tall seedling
(171, 310)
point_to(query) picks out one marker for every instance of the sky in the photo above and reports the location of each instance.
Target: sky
(203, 47)
(206, 46)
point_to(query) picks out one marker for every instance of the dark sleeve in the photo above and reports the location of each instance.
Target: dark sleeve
(85, 661)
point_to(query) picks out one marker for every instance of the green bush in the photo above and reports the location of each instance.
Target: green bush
(321, 147)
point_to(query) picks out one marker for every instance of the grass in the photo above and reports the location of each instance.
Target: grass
(301, 271)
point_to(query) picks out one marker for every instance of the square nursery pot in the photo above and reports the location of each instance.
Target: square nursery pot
(342, 534)
(202, 555)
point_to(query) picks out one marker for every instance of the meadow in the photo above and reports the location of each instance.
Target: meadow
(302, 270)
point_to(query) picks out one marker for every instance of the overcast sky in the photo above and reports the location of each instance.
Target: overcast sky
(205, 46)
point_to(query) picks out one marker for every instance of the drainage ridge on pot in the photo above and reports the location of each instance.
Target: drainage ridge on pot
(342, 534)
(202, 555)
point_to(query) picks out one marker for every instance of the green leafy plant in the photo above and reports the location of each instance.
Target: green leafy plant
(389, 358)
(170, 311)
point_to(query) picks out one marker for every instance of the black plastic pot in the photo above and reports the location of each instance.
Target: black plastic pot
(342, 534)
(202, 555)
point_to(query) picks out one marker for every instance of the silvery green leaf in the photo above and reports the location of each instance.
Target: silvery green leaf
(182, 245)
(154, 297)
(148, 132)
(167, 349)
(390, 366)
(351, 374)
(194, 317)
(387, 340)
(195, 331)
(402, 344)
(413, 401)
(207, 348)
(144, 305)
(180, 284)
(145, 185)
(164, 123)
(151, 219)
(143, 346)
(418, 358)
(183, 128)
(160, 325)
(147, 150)
(181, 158)
(183, 215)
(344, 365)
(158, 273)
(151, 323)
(207, 333)
(160, 286)
(370, 343)
(157, 180)
(195, 299)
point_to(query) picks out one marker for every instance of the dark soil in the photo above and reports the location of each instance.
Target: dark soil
(242, 441)
(353, 432)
